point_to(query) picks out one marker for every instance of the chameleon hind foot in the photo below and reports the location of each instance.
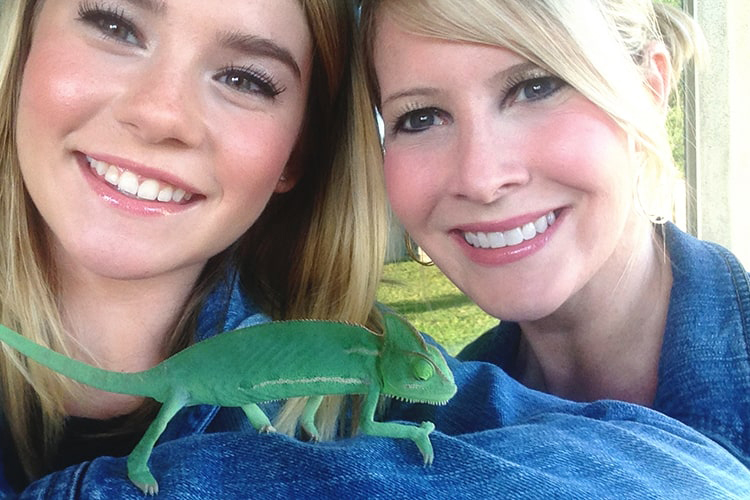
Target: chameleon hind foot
(307, 419)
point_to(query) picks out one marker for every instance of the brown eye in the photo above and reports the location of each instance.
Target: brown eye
(250, 81)
(111, 24)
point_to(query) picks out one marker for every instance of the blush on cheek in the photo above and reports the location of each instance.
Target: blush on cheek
(53, 85)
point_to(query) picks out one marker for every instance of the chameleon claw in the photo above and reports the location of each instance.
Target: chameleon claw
(311, 430)
(267, 429)
(424, 444)
(145, 482)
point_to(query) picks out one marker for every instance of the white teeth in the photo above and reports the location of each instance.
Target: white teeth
(497, 240)
(165, 194)
(112, 175)
(541, 224)
(99, 166)
(484, 241)
(127, 182)
(178, 195)
(148, 190)
(528, 231)
(512, 237)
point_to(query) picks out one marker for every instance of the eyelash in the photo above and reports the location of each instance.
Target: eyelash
(95, 14)
(516, 83)
(267, 85)
(403, 117)
(510, 91)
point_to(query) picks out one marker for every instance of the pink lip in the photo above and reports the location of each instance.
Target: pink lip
(504, 225)
(135, 206)
(507, 255)
(144, 171)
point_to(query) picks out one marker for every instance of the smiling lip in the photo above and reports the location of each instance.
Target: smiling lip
(134, 188)
(487, 244)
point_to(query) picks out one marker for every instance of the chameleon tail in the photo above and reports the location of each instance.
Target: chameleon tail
(123, 383)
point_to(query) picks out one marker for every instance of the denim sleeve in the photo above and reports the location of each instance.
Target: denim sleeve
(553, 455)
(496, 439)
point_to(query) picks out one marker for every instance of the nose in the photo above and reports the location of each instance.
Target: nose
(160, 104)
(489, 162)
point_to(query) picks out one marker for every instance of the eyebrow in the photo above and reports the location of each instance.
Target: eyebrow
(155, 6)
(418, 91)
(258, 46)
(500, 76)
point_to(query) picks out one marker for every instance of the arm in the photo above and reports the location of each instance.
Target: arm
(494, 439)
(567, 455)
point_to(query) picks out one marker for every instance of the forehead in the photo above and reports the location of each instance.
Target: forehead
(404, 60)
(283, 21)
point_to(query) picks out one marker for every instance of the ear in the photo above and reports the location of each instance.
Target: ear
(286, 182)
(292, 171)
(658, 66)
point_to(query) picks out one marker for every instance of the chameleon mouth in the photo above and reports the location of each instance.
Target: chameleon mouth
(437, 402)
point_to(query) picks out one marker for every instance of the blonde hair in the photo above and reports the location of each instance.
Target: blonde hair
(596, 46)
(316, 252)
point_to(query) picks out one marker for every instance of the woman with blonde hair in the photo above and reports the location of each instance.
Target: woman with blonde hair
(207, 109)
(168, 171)
(532, 164)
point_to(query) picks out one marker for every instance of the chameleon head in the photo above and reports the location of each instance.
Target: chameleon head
(411, 369)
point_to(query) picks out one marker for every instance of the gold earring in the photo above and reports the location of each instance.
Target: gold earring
(413, 254)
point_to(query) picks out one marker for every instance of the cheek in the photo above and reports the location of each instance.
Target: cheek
(408, 192)
(587, 150)
(252, 155)
(57, 91)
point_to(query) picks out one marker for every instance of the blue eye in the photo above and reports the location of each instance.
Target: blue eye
(420, 120)
(537, 88)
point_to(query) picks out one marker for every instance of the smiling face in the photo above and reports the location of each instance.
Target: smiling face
(518, 187)
(152, 134)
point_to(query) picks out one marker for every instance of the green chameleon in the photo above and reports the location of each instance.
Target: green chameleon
(272, 361)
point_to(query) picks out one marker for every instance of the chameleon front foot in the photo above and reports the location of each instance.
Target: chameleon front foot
(145, 481)
(422, 439)
(419, 435)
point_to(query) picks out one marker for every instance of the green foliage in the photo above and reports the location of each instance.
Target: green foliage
(676, 130)
(433, 304)
(675, 116)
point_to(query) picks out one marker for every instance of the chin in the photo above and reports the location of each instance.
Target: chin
(520, 309)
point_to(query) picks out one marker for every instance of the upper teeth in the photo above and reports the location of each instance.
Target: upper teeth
(512, 237)
(129, 183)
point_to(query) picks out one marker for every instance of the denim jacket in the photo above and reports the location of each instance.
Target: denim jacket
(704, 369)
(496, 438)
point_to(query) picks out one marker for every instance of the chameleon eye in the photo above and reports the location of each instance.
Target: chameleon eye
(422, 369)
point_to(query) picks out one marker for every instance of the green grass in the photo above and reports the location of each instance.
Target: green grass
(433, 304)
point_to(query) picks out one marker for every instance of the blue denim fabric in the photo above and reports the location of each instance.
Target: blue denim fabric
(496, 438)
(704, 370)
